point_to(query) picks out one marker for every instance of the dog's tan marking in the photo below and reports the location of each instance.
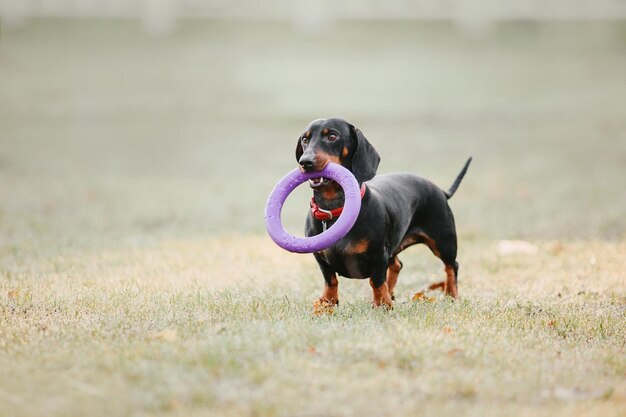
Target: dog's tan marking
(328, 158)
(422, 237)
(431, 244)
(450, 288)
(437, 286)
(358, 247)
(322, 159)
(406, 242)
(449, 285)
(330, 191)
(381, 296)
(331, 292)
(392, 274)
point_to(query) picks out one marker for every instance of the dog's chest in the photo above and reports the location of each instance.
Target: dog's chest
(349, 258)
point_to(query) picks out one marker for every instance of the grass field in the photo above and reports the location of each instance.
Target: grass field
(136, 279)
(177, 328)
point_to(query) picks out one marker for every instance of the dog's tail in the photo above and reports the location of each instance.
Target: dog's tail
(458, 180)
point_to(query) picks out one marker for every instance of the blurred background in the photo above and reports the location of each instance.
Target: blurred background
(128, 122)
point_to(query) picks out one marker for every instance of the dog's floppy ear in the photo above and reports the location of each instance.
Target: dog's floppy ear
(365, 158)
(299, 150)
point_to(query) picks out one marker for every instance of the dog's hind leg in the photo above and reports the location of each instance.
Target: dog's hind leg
(445, 249)
(450, 287)
(393, 270)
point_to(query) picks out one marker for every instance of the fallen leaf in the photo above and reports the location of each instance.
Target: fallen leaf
(455, 352)
(13, 293)
(323, 307)
(420, 296)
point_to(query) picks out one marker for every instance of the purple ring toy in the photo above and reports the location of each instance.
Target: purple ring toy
(326, 239)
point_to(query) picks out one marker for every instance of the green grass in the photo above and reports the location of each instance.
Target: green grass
(135, 276)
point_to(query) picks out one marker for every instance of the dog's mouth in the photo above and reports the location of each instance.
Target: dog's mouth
(320, 182)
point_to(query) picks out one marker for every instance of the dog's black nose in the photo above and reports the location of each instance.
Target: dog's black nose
(306, 163)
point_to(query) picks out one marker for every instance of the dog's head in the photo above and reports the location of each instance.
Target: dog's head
(335, 140)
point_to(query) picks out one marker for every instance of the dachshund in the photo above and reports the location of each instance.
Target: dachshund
(397, 211)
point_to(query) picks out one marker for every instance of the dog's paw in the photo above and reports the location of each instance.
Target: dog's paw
(386, 304)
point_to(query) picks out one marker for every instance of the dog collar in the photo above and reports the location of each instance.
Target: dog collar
(323, 215)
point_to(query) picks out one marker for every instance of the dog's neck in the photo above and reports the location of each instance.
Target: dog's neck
(330, 198)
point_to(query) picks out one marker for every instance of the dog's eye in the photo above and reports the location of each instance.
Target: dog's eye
(304, 140)
(332, 137)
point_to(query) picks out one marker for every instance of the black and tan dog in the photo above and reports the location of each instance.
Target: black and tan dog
(397, 211)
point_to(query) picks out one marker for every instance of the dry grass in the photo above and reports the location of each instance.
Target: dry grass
(224, 327)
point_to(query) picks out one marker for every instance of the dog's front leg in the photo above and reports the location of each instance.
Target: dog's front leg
(331, 290)
(330, 294)
(380, 288)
